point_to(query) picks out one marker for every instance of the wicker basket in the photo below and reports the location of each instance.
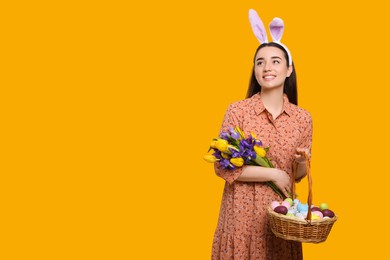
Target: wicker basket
(301, 230)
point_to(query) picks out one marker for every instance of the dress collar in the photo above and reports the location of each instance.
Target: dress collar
(259, 105)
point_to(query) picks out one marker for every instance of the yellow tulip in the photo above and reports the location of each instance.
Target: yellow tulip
(260, 151)
(233, 148)
(210, 158)
(238, 130)
(224, 155)
(221, 145)
(253, 136)
(237, 161)
(212, 145)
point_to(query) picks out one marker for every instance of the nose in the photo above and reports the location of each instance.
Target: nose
(267, 67)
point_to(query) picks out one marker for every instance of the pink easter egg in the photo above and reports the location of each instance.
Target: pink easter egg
(286, 204)
(318, 213)
(274, 204)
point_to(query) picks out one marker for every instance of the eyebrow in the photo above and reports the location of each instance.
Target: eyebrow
(273, 57)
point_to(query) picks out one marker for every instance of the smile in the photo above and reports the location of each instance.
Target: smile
(269, 77)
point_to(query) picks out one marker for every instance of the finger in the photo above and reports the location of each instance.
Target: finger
(303, 152)
(286, 193)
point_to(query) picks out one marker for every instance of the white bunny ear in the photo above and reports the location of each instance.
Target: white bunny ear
(276, 28)
(257, 26)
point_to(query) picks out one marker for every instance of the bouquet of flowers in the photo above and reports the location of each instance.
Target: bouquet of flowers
(232, 149)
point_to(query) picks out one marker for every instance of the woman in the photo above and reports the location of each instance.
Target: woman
(270, 111)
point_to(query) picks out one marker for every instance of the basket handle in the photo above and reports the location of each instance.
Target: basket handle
(309, 198)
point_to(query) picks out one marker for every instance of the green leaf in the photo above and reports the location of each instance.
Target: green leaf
(269, 162)
(262, 161)
(276, 189)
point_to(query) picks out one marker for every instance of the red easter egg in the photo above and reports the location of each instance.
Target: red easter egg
(281, 210)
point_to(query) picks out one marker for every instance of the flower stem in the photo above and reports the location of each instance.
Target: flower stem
(276, 189)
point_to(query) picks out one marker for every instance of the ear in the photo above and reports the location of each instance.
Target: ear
(257, 26)
(289, 70)
(276, 28)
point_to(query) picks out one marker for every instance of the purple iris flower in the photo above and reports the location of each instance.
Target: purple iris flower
(249, 155)
(217, 154)
(245, 145)
(225, 163)
(224, 136)
(236, 154)
(234, 134)
(246, 148)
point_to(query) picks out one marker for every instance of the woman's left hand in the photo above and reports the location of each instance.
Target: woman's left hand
(299, 155)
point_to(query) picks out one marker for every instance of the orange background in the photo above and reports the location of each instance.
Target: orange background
(109, 106)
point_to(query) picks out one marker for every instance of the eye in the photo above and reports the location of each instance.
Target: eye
(259, 63)
(276, 61)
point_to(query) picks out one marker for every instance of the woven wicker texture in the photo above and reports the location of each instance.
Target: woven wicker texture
(302, 230)
(315, 231)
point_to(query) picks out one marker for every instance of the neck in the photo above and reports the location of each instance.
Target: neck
(273, 100)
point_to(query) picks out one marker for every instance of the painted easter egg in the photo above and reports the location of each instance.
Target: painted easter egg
(328, 213)
(274, 204)
(281, 210)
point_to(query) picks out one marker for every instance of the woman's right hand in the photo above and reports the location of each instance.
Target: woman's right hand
(282, 180)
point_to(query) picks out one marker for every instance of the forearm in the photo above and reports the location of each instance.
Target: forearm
(263, 174)
(256, 174)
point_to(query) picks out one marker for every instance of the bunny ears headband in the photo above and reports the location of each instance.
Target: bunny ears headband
(276, 28)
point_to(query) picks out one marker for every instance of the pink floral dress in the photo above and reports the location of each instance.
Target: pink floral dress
(242, 231)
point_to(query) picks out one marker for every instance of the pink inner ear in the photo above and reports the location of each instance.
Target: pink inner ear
(276, 28)
(277, 33)
(257, 26)
(261, 34)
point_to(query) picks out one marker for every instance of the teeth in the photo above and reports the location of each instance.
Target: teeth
(269, 77)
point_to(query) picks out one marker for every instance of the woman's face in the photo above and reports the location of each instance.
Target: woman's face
(271, 67)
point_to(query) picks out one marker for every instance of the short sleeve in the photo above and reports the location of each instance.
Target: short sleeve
(231, 119)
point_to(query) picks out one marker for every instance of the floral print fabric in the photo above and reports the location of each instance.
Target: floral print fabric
(242, 231)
